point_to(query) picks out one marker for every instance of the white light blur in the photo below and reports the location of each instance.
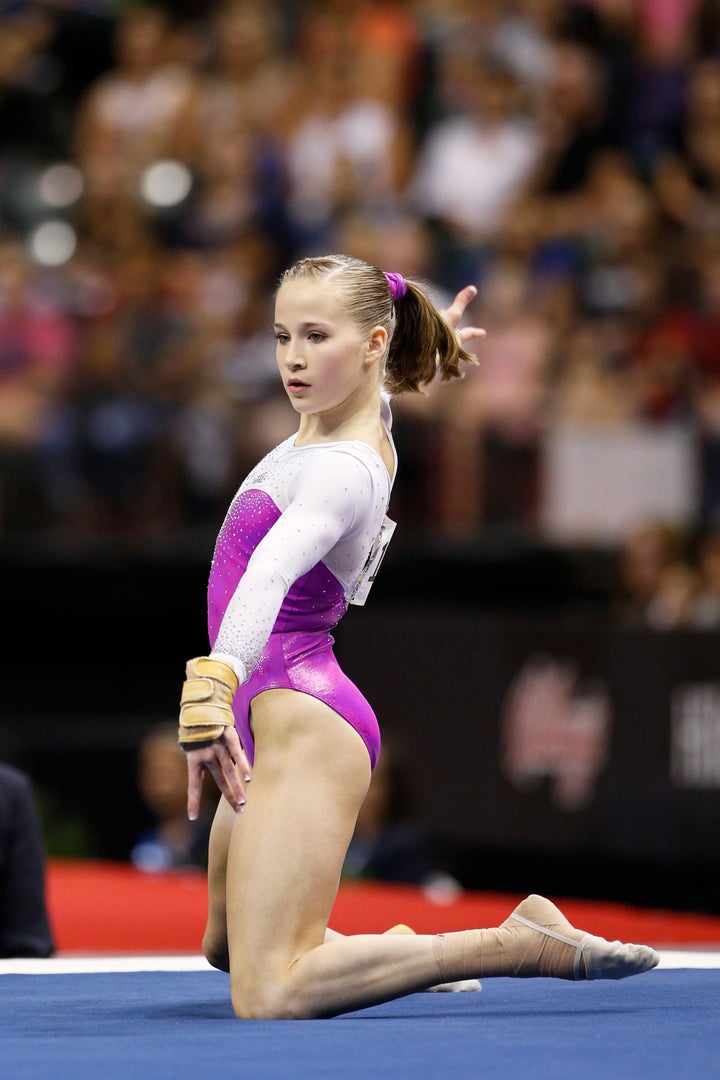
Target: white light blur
(166, 183)
(61, 185)
(53, 243)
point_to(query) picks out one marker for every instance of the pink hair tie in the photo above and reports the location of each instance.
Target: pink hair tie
(398, 285)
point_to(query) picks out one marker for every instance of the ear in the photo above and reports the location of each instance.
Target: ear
(376, 345)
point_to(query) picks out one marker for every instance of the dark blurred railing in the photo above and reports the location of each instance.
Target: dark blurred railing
(550, 746)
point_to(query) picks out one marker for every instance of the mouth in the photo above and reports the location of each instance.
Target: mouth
(295, 386)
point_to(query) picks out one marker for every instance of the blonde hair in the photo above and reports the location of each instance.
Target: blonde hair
(421, 343)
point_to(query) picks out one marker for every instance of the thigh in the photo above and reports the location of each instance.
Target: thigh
(215, 944)
(311, 774)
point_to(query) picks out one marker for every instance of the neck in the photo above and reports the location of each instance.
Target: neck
(351, 420)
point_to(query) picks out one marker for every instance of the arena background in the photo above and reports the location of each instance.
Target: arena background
(549, 745)
(556, 744)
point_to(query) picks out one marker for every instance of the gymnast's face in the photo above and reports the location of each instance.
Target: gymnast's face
(321, 353)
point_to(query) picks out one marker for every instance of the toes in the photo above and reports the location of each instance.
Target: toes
(615, 960)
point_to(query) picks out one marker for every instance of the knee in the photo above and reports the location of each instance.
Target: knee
(216, 953)
(265, 1000)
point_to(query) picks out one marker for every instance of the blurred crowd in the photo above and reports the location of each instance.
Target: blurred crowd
(161, 163)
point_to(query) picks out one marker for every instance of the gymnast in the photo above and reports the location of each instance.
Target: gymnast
(288, 738)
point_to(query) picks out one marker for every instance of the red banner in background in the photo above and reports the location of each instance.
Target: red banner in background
(104, 907)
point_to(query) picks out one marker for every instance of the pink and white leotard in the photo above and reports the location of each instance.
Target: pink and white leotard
(303, 534)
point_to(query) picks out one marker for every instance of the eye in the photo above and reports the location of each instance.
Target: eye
(316, 336)
(282, 339)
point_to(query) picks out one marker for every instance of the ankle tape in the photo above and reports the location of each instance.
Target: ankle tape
(439, 954)
(579, 946)
(451, 951)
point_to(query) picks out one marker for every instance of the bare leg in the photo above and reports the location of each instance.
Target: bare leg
(286, 852)
(215, 945)
(462, 985)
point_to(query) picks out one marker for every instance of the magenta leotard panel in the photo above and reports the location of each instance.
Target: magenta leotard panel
(299, 653)
(305, 661)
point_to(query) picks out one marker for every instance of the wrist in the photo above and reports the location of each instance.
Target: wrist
(233, 662)
(206, 702)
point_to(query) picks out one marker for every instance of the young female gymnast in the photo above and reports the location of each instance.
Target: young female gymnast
(301, 540)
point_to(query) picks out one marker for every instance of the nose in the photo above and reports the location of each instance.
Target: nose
(294, 358)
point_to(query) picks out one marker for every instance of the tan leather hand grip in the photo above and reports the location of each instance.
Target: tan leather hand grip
(206, 701)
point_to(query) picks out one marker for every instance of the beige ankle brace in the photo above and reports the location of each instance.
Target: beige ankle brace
(510, 950)
(456, 955)
(537, 940)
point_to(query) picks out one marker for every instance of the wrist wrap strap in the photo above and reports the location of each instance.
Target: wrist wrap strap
(206, 701)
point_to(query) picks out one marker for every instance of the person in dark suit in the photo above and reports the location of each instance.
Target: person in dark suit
(24, 923)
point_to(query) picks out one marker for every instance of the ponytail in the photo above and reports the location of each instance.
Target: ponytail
(423, 344)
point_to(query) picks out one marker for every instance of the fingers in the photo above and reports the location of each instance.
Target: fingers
(466, 335)
(469, 335)
(455, 312)
(195, 775)
(227, 777)
(465, 296)
(227, 763)
(232, 741)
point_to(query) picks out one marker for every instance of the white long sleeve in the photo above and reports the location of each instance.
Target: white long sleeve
(330, 500)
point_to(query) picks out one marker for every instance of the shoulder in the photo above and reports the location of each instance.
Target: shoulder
(15, 790)
(352, 460)
(349, 461)
(13, 779)
(345, 480)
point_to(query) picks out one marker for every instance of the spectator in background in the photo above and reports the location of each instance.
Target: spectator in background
(476, 160)
(573, 117)
(490, 432)
(706, 603)
(243, 95)
(172, 841)
(389, 844)
(132, 369)
(347, 146)
(248, 79)
(37, 341)
(686, 177)
(227, 412)
(657, 579)
(591, 388)
(24, 922)
(137, 112)
(386, 38)
(586, 136)
(656, 92)
(28, 121)
(706, 28)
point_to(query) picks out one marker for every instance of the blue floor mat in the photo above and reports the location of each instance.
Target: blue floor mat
(138, 1025)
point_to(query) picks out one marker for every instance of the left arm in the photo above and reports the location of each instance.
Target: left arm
(335, 493)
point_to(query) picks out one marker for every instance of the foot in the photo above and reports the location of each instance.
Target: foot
(462, 986)
(563, 952)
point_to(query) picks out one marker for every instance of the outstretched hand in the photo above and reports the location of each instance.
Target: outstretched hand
(467, 335)
(226, 762)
